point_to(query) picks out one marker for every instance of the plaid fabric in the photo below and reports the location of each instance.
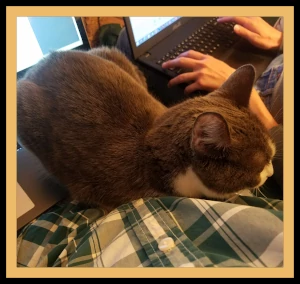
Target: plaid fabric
(157, 232)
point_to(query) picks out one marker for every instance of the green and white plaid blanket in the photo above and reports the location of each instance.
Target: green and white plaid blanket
(157, 232)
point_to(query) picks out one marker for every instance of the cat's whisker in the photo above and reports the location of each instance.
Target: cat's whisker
(260, 192)
(278, 142)
(279, 148)
(278, 156)
(278, 113)
(232, 198)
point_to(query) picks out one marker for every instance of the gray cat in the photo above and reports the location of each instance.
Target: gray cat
(92, 123)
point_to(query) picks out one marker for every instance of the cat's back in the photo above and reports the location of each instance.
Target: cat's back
(87, 87)
(75, 106)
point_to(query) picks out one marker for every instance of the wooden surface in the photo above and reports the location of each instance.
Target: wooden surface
(93, 24)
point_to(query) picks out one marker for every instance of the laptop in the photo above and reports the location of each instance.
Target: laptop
(36, 190)
(36, 37)
(154, 40)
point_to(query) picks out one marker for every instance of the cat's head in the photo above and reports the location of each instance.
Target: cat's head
(231, 148)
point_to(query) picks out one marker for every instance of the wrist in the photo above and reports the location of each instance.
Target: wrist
(278, 41)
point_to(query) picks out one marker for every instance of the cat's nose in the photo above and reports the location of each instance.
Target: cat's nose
(269, 169)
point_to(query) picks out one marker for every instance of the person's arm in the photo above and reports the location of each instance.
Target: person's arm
(279, 26)
(258, 107)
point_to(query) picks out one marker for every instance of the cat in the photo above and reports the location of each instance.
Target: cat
(90, 120)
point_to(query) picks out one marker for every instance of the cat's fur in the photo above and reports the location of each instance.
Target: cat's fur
(90, 120)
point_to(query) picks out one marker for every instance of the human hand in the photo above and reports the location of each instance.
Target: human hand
(257, 31)
(208, 73)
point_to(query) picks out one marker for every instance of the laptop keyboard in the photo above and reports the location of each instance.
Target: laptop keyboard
(206, 39)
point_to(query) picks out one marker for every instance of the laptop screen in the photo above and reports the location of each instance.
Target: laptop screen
(37, 36)
(144, 28)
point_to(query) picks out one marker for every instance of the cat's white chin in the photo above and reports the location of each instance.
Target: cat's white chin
(188, 184)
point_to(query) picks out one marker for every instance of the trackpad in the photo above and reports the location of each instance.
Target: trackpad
(24, 203)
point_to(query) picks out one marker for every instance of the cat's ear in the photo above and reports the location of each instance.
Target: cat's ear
(210, 136)
(239, 85)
